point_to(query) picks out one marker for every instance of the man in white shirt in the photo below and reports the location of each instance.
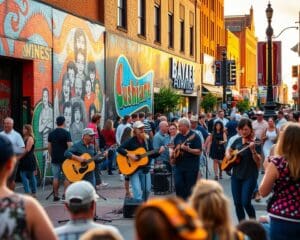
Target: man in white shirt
(259, 125)
(125, 123)
(17, 140)
(280, 120)
(221, 118)
(81, 205)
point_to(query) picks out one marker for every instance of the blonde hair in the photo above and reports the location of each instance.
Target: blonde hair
(212, 206)
(28, 127)
(108, 124)
(288, 147)
(100, 234)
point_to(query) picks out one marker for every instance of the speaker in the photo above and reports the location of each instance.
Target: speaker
(161, 183)
(129, 207)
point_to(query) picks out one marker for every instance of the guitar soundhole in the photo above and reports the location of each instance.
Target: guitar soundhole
(138, 156)
(83, 169)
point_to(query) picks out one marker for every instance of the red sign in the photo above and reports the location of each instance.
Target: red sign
(262, 63)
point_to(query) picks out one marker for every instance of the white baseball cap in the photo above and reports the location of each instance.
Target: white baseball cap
(138, 124)
(80, 193)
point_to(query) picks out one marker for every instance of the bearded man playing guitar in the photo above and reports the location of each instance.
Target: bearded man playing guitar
(85, 145)
(140, 179)
(245, 170)
(188, 148)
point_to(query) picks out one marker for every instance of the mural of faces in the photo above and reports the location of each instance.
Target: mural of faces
(78, 86)
(68, 115)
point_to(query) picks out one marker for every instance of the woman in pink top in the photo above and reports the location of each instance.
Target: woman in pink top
(283, 177)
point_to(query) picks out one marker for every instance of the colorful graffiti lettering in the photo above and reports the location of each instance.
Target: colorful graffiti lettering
(131, 92)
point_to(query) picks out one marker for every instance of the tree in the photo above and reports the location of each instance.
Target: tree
(243, 105)
(208, 102)
(166, 100)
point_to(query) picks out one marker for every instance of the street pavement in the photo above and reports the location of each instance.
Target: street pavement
(110, 209)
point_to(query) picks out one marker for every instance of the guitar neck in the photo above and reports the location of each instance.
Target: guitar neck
(245, 148)
(148, 153)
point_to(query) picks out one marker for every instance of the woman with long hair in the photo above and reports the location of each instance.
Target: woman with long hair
(283, 178)
(269, 137)
(27, 163)
(216, 146)
(22, 217)
(213, 208)
(245, 170)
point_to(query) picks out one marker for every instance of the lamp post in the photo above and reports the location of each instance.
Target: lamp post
(224, 77)
(270, 105)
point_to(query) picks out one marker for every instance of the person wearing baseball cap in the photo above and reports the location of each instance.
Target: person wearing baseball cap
(85, 145)
(81, 204)
(16, 208)
(130, 149)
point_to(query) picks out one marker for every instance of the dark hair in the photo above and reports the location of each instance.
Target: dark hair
(252, 229)
(215, 126)
(6, 149)
(125, 119)
(71, 65)
(91, 67)
(126, 134)
(141, 115)
(64, 79)
(66, 105)
(134, 115)
(245, 122)
(75, 209)
(92, 108)
(76, 106)
(96, 117)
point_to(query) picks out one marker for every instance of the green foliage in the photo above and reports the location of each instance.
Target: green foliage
(166, 100)
(243, 105)
(208, 102)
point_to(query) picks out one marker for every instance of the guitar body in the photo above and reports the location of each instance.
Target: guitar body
(128, 166)
(227, 163)
(75, 170)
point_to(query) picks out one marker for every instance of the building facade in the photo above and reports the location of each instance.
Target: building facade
(243, 27)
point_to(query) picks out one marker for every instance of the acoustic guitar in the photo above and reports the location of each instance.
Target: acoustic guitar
(234, 158)
(178, 151)
(75, 170)
(128, 166)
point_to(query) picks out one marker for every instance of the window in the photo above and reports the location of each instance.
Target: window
(122, 18)
(192, 40)
(141, 17)
(171, 30)
(157, 23)
(181, 35)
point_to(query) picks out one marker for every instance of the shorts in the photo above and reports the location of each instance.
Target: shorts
(57, 171)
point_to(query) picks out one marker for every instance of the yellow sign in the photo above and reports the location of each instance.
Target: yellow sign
(36, 52)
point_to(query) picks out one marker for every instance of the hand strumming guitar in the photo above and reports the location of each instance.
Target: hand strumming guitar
(132, 156)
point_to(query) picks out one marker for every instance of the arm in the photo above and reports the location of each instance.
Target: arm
(39, 224)
(28, 147)
(256, 156)
(268, 180)
(69, 153)
(50, 148)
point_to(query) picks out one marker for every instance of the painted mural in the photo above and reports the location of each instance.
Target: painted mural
(131, 92)
(134, 71)
(78, 70)
(26, 33)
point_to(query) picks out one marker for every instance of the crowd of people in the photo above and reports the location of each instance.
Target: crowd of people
(131, 146)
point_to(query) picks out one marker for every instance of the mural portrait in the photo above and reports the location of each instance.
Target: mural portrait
(78, 70)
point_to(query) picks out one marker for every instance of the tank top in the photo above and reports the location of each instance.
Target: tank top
(285, 201)
(13, 218)
(27, 163)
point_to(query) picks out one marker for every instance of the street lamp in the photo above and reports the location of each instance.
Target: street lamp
(224, 77)
(270, 105)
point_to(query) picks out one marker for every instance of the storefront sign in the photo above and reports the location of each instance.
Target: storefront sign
(182, 75)
(36, 52)
(131, 92)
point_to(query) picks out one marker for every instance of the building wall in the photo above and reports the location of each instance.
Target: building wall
(91, 9)
(212, 27)
(132, 23)
(233, 53)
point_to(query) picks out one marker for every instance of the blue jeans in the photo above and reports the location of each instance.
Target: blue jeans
(29, 181)
(141, 184)
(184, 182)
(90, 177)
(109, 162)
(242, 190)
(282, 230)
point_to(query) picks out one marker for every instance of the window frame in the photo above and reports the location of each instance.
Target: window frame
(122, 14)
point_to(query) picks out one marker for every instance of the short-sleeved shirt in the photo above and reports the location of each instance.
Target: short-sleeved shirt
(59, 139)
(246, 167)
(15, 138)
(75, 228)
(285, 202)
(80, 148)
(159, 140)
(188, 161)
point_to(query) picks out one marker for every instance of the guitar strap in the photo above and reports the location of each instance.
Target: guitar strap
(146, 145)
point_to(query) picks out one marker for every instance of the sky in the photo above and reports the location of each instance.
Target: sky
(285, 14)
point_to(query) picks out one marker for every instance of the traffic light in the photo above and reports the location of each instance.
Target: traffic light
(218, 73)
(295, 71)
(232, 79)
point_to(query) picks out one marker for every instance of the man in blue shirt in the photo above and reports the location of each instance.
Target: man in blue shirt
(162, 138)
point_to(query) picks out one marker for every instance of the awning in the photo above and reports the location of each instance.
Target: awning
(217, 91)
